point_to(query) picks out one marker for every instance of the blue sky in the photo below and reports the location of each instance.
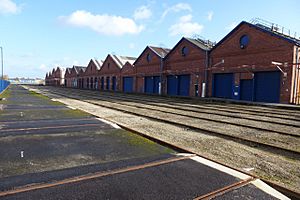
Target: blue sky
(39, 35)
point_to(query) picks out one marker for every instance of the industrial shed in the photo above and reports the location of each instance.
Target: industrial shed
(255, 62)
(149, 69)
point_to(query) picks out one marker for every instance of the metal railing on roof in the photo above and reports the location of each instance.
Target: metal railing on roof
(274, 28)
(204, 41)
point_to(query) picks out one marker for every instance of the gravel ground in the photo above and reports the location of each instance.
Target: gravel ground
(279, 140)
(282, 170)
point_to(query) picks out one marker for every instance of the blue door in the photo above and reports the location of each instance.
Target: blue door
(222, 85)
(246, 90)
(127, 84)
(184, 85)
(267, 86)
(114, 83)
(156, 80)
(149, 84)
(107, 83)
(102, 83)
(172, 85)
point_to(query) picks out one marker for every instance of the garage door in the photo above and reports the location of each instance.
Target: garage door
(184, 85)
(149, 83)
(114, 83)
(246, 90)
(267, 86)
(178, 85)
(222, 85)
(172, 85)
(127, 84)
(152, 84)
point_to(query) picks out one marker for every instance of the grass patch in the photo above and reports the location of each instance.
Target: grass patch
(6, 94)
(43, 97)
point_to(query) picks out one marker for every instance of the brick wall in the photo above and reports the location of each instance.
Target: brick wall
(263, 48)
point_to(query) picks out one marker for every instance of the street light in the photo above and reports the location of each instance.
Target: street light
(2, 61)
(2, 66)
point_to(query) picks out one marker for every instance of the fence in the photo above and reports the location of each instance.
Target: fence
(3, 85)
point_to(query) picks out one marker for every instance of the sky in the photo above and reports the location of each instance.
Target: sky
(37, 36)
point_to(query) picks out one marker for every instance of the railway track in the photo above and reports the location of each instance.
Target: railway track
(270, 121)
(202, 107)
(282, 146)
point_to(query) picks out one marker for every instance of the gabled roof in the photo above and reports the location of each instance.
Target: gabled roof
(159, 51)
(98, 63)
(68, 70)
(196, 42)
(262, 28)
(121, 60)
(78, 68)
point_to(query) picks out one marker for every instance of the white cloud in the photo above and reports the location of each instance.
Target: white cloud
(9, 7)
(43, 67)
(231, 26)
(142, 12)
(210, 15)
(131, 46)
(185, 27)
(103, 24)
(176, 8)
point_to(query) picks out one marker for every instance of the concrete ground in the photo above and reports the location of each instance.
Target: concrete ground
(51, 151)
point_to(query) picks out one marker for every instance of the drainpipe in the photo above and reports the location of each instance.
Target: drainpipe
(161, 73)
(296, 80)
(204, 93)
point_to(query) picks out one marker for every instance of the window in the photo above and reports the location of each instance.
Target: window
(244, 41)
(108, 65)
(148, 57)
(184, 51)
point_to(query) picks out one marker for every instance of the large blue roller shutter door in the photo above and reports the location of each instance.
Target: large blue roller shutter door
(107, 83)
(267, 86)
(152, 84)
(222, 85)
(102, 83)
(172, 85)
(127, 84)
(184, 85)
(114, 83)
(156, 80)
(246, 90)
(149, 84)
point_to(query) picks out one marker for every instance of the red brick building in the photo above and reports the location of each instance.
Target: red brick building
(184, 67)
(149, 69)
(68, 78)
(89, 77)
(255, 62)
(110, 72)
(56, 77)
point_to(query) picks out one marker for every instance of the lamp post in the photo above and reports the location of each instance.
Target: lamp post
(2, 67)
(2, 61)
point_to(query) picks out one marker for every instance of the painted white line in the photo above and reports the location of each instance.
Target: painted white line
(71, 107)
(110, 123)
(221, 168)
(268, 189)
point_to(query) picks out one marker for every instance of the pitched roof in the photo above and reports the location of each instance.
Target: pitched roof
(121, 60)
(204, 45)
(98, 63)
(262, 28)
(78, 68)
(160, 51)
(68, 70)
